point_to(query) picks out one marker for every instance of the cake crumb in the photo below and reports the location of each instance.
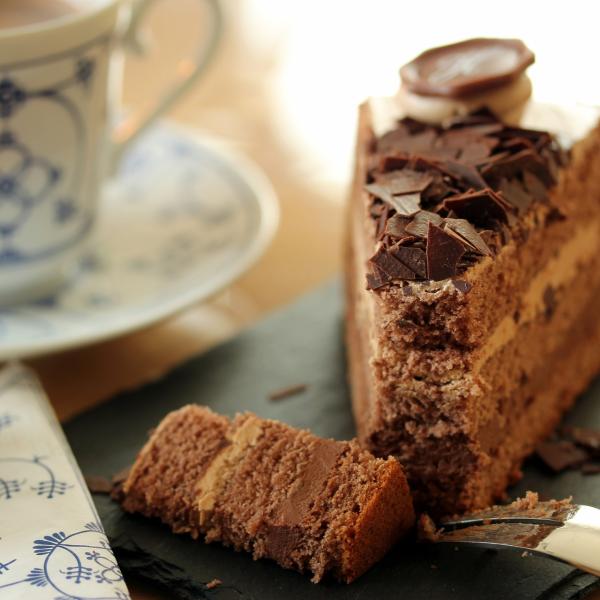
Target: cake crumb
(286, 392)
(213, 583)
(528, 502)
(427, 530)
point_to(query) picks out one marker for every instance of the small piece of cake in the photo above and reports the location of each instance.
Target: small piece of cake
(310, 504)
(473, 274)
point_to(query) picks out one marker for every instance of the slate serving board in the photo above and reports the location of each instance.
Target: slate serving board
(303, 344)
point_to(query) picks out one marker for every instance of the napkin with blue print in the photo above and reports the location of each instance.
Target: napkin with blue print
(52, 545)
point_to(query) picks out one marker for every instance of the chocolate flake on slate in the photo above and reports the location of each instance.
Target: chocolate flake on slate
(443, 253)
(418, 226)
(213, 583)
(98, 484)
(291, 390)
(470, 177)
(560, 455)
(590, 468)
(588, 438)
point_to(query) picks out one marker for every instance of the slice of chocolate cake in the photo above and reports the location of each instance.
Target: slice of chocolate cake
(311, 504)
(473, 277)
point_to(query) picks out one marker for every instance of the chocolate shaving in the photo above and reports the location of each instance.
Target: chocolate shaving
(590, 468)
(479, 207)
(513, 165)
(560, 455)
(98, 484)
(534, 186)
(391, 266)
(419, 225)
(396, 226)
(588, 438)
(471, 177)
(467, 173)
(407, 205)
(213, 583)
(376, 278)
(468, 235)
(286, 392)
(413, 258)
(405, 181)
(443, 253)
(515, 193)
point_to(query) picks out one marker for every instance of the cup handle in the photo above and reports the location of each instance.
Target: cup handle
(127, 131)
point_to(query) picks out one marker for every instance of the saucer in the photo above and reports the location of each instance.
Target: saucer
(181, 220)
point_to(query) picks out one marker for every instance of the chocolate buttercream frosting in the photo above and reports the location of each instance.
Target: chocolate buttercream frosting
(467, 67)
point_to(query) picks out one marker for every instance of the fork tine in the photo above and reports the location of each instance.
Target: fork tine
(526, 536)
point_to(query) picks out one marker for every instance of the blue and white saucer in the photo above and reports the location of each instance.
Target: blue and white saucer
(183, 218)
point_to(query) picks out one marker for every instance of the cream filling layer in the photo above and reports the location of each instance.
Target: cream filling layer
(558, 272)
(211, 484)
(507, 101)
(569, 123)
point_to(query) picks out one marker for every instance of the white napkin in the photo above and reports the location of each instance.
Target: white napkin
(52, 545)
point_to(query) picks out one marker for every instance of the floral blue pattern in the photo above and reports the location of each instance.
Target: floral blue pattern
(48, 487)
(30, 179)
(51, 554)
(6, 420)
(90, 558)
(200, 219)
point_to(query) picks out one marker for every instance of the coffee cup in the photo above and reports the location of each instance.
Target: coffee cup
(60, 74)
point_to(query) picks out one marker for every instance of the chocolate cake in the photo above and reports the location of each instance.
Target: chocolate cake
(473, 274)
(257, 485)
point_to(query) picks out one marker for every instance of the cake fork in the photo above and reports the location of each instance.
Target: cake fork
(571, 534)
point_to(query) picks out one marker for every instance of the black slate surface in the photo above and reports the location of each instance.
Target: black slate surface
(303, 344)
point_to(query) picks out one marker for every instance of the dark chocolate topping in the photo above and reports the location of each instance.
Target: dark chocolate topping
(467, 67)
(454, 196)
(561, 454)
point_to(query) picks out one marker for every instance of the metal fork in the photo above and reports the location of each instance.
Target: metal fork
(571, 536)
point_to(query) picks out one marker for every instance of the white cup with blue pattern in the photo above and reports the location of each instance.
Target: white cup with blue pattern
(59, 81)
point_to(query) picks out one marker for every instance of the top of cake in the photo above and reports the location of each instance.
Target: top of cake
(444, 195)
